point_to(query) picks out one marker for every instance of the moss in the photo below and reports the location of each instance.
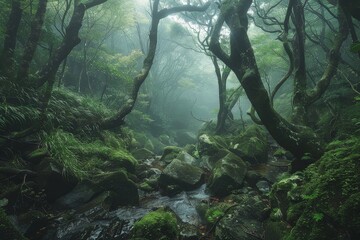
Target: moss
(158, 224)
(170, 153)
(252, 145)
(7, 230)
(214, 213)
(326, 204)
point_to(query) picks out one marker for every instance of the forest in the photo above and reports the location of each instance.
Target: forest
(179, 119)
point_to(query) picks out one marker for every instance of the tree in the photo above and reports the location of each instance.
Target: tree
(298, 139)
(157, 15)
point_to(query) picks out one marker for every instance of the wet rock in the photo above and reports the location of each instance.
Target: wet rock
(181, 174)
(244, 220)
(81, 194)
(227, 175)
(52, 179)
(124, 190)
(252, 145)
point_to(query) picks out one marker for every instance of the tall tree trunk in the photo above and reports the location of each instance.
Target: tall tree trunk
(298, 140)
(118, 118)
(12, 26)
(223, 108)
(71, 39)
(32, 42)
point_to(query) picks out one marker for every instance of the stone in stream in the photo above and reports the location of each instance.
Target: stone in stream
(181, 175)
(170, 153)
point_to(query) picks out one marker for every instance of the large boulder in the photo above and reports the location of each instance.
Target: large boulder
(169, 154)
(181, 174)
(209, 145)
(125, 191)
(52, 179)
(325, 202)
(227, 175)
(252, 145)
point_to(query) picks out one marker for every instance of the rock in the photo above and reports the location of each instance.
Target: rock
(52, 179)
(227, 175)
(253, 177)
(170, 153)
(184, 138)
(124, 190)
(252, 145)
(263, 186)
(122, 159)
(244, 220)
(186, 157)
(210, 145)
(142, 154)
(159, 224)
(81, 194)
(325, 202)
(181, 174)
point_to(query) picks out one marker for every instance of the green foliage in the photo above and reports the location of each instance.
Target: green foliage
(159, 224)
(327, 195)
(318, 217)
(215, 212)
(82, 158)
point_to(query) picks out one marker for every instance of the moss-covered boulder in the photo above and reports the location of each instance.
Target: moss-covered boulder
(210, 145)
(7, 229)
(169, 154)
(326, 204)
(181, 174)
(124, 190)
(159, 224)
(252, 145)
(227, 175)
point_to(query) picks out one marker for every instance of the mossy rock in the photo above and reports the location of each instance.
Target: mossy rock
(121, 158)
(7, 229)
(252, 145)
(326, 205)
(182, 174)
(209, 145)
(213, 213)
(227, 175)
(170, 153)
(125, 190)
(159, 224)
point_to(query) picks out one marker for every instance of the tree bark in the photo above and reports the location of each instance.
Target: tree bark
(12, 26)
(118, 119)
(32, 42)
(297, 139)
(71, 39)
